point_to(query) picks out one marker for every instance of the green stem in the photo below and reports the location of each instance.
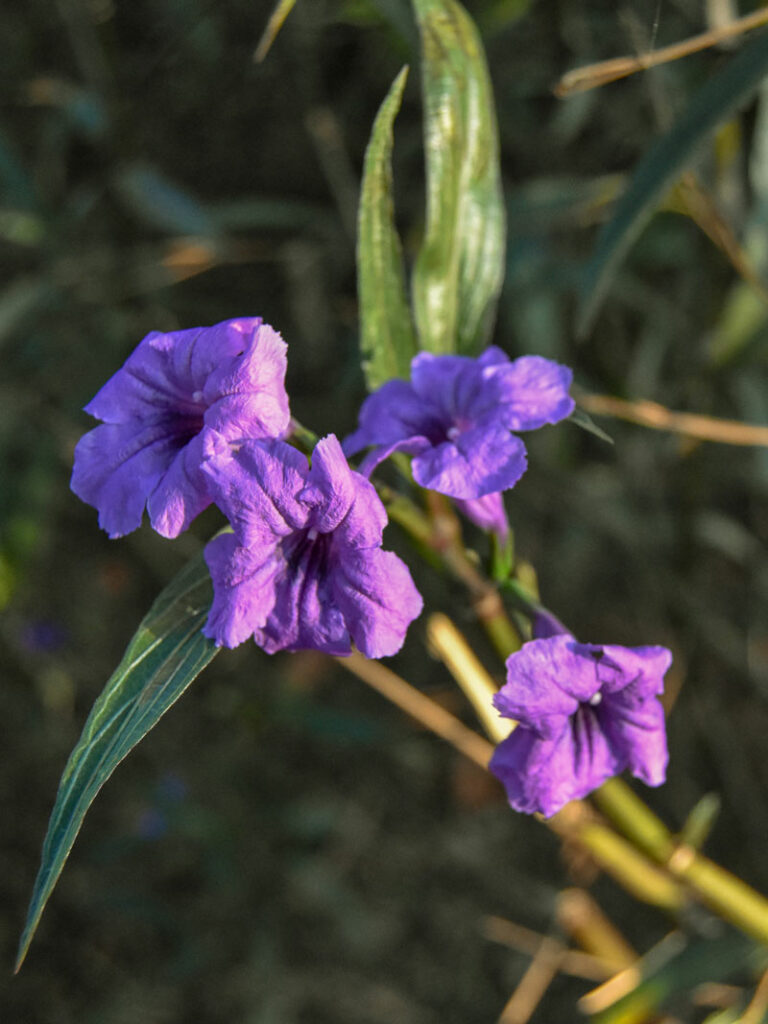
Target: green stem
(635, 819)
(727, 895)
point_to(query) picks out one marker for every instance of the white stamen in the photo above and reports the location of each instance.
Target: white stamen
(311, 534)
(197, 396)
(595, 699)
(453, 433)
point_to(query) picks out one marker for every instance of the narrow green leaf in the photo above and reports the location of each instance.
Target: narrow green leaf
(678, 965)
(459, 270)
(165, 655)
(282, 9)
(700, 821)
(582, 419)
(387, 339)
(662, 165)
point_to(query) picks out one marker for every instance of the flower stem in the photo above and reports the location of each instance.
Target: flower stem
(733, 899)
(620, 804)
(725, 894)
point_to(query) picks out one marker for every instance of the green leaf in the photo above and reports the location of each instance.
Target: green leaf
(663, 163)
(678, 965)
(165, 655)
(387, 339)
(459, 270)
(582, 419)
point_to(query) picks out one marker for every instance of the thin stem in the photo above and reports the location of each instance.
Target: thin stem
(635, 819)
(658, 417)
(441, 535)
(594, 75)
(447, 643)
(421, 708)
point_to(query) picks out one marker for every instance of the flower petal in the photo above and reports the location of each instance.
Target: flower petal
(478, 461)
(243, 589)
(144, 388)
(246, 396)
(344, 500)
(116, 468)
(635, 728)
(643, 667)
(441, 381)
(331, 479)
(543, 774)
(545, 684)
(305, 614)
(534, 391)
(487, 512)
(377, 597)
(181, 493)
(392, 415)
(257, 486)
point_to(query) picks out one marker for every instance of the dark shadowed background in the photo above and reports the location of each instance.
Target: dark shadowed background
(286, 847)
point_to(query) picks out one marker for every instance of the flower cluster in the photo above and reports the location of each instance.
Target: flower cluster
(584, 713)
(201, 416)
(198, 416)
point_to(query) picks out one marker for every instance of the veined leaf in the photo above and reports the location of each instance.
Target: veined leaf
(662, 165)
(459, 270)
(387, 339)
(165, 655)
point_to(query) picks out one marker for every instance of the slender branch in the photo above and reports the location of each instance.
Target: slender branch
(658, 417)
(275, 23)
(593, 76)
(447, 643)
(419, 707)
(542, 970)
(524, 940)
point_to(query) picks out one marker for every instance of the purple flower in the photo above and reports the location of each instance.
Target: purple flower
(487, 512)
(455, 416)
(304, 567)
(148, 450)
(585, 712)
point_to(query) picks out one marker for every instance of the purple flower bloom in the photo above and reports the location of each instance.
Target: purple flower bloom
(455, 416)
(487, 512)
(148, 449)
(585, 712)
(304, 567)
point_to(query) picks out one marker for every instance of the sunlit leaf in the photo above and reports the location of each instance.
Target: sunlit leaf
(460, 266)
(387, 340)
(163, 658)
(662, 165)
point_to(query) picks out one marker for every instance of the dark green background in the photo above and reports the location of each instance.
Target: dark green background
(286, 847)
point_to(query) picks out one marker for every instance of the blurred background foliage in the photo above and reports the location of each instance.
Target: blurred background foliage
(285, 847)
